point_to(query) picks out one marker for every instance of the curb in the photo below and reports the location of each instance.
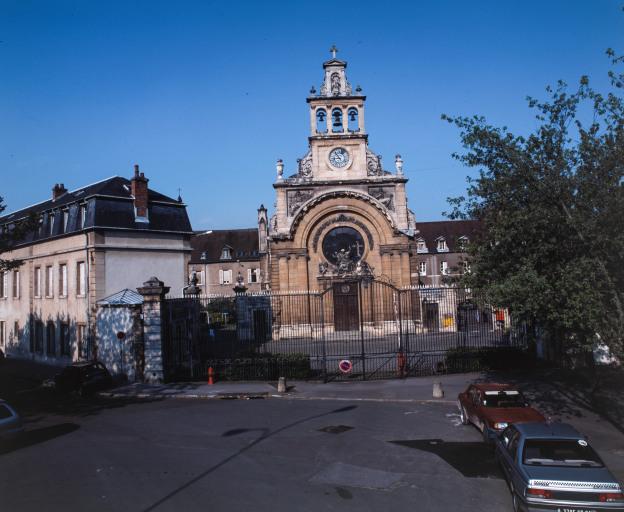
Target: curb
(264, 395)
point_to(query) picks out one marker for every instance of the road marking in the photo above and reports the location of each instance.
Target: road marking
(455, 418)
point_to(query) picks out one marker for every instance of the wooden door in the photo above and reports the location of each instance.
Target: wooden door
(346, 306)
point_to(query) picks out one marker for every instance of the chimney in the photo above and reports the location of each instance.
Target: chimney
(58, 190)
(139, 192)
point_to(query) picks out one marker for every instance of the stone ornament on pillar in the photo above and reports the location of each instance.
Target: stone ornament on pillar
(280, 170)
(398, 162)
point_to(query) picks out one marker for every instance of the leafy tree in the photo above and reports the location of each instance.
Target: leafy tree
(552, 209)
(10, 235)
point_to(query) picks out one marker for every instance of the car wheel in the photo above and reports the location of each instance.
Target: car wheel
(463, 415)
(514, 499)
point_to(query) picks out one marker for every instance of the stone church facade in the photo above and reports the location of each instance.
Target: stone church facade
(341, 214)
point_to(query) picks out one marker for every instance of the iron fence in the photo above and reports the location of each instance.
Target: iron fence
(351, 330)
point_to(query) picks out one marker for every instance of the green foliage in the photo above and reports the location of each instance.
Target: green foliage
(10, 235)
(552, 209)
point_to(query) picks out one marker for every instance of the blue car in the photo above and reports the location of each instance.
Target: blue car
(550, 466)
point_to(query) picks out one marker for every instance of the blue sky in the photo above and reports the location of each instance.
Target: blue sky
(205, 96)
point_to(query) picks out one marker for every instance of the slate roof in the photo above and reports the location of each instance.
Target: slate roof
(122, 298)
(450, 230)
(109, 204)
(243, 244)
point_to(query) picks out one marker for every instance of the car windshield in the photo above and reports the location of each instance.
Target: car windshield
(560, 452)
(503, 399)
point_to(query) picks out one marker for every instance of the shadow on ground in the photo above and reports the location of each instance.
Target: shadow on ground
(471, 459)
(36, 436)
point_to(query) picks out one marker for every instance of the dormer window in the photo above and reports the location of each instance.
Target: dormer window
(421, 246)
(441, 245)
(203, 255)
(462, 243)
(51, 223)
(226, 253)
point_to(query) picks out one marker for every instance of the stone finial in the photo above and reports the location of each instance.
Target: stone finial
(280, 169)
(398, 162)
(153, 286)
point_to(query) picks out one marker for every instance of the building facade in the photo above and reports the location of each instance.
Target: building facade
(91, 243)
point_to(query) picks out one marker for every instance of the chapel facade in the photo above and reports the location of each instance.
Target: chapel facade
(341, 215)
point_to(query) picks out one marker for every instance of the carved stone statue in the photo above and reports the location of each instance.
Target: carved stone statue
(383, 195)
(296, 198)
(343, 261)
(335, 84)
(373, 164)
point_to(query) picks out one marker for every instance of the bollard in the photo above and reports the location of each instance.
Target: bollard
(210, 376)
(438, 392)
(281, 385)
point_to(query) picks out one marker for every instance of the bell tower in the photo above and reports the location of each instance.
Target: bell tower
(337, 133)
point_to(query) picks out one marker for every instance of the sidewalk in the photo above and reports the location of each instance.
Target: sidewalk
(416, 389)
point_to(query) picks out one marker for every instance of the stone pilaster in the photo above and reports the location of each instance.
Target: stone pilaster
(153, 292)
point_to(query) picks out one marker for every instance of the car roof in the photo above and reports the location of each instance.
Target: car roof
(542, 430)
(492, 386)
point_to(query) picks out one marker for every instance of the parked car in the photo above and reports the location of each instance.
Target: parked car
(10, 422)
(493, 407)
(84, 377)
(550, 466)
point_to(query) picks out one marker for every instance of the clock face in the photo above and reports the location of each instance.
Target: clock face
(339, 157)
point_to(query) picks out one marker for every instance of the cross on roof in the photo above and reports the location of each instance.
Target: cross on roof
(333, 51)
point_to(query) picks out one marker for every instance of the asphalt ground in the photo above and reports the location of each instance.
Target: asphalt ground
(273, 455)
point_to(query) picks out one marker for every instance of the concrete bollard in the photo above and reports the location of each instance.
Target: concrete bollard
(438, 392)
(281, 385)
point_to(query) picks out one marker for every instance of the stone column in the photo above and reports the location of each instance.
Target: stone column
(153, 292)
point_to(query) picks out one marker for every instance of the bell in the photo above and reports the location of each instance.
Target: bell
(337, 119)
(352, 115)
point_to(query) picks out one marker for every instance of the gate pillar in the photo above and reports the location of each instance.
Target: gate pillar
(153, 292)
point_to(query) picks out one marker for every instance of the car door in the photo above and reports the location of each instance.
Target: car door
(508, 449)
(476, 408)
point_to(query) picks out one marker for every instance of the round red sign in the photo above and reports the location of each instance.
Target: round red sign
(345, 366)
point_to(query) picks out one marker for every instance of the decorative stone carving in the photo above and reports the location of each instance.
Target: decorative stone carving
(385, 195)
(305, 165)
(296, 198)
(335, 84)
(373, 164)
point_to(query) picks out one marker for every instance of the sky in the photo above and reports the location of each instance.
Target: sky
(206, 96)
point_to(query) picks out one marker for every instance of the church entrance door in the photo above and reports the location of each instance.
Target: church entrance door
(346, 306)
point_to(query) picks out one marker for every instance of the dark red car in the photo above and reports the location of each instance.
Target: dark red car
(493, 407)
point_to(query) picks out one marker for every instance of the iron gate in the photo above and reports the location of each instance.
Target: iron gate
(355, 329)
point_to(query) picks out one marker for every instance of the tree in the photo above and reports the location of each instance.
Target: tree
(10, 235)
(551, 206)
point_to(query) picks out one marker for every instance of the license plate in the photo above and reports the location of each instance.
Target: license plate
(568, 509)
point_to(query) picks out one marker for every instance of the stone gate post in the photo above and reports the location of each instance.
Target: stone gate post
(153, 292)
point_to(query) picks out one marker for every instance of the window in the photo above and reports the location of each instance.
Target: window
(16, 335)
(16, 284)
(226, 253)
(337, 120)
(4, 285)
(80, 340)
(38, 336)
(2, 333)
(37, 283)
(81, 285)
(65, 219)
(462, 243)
(422, 268)
(444, 268)
(49, 281)
(63, 280)
(321, 121)
(83, 215)
(253, 275)
(203, 256)
(352, 115)
(466, 267)
(421, 246)
(64, 339)
(51, 223)
(225, 276)
(51, 339)
(442, 247)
